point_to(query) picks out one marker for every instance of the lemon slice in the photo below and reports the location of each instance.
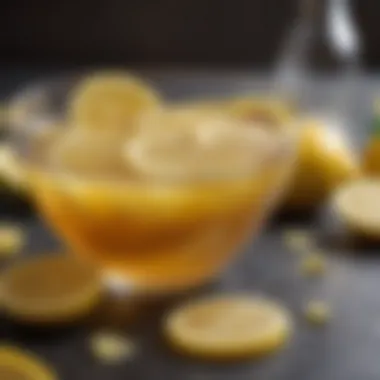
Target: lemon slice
(228, 327)
(357, 204)
(111, 100)
(17, 364)
(88, 153)
(51, 288)
(205, 148)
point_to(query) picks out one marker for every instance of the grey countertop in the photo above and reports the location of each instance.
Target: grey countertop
(346, 349)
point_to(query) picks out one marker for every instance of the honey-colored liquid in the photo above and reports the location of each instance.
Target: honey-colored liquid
(158, 237)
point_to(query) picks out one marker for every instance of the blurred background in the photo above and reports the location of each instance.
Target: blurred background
(215, 32)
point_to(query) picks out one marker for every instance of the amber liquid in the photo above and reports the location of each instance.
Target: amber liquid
(158, 236)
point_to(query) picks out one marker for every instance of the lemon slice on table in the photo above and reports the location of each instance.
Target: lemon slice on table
(228, 327)
(49, 289)
(357, 203)
(17, 364)
(111, 100)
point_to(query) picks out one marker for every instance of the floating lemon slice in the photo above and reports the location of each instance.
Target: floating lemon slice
(16, 364)
(49, 289)
(111, 100)
(209, 148)
(85, 152)
(228, 327)
(357, 203)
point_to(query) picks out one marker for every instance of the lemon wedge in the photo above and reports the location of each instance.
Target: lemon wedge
(228, 327)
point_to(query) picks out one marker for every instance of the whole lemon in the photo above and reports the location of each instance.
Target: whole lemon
(325, 161)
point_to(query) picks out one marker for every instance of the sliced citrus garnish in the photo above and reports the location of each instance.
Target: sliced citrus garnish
(51, 288)
(110, 100)
(85, 152)
(11, 240)
(228, 327)
(17, 364)
(357, 203)
(206, 147)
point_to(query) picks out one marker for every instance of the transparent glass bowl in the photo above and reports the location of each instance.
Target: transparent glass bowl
(153, 237)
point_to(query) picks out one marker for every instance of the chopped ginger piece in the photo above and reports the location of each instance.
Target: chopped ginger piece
(317, 312)
(11, 240)
(111, 347)
(313, 264)
(299, 240)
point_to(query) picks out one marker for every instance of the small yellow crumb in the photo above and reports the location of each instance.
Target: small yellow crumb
(111, 347)
(298, 240)
(11, 240)
(317, 312)
(313, 264)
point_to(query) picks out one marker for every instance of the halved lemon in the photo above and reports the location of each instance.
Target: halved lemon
(50, 288)
(357, 203)
(17, 364)
(110, 100)
(228, 327)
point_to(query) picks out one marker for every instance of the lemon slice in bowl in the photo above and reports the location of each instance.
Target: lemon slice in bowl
(202, 148)
(110, 100)
(228, 327)
(21, 365)
(357, 204)
(50, 289)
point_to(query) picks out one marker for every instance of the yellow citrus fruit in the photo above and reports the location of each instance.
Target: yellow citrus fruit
(228, 327)
(199, 148)
(325, 161)
(21, 365)
(49, 288)
(110, 100)
(357, 204)
(88, 153)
